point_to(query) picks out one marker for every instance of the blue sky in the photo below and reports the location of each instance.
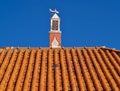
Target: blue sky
(83, 22)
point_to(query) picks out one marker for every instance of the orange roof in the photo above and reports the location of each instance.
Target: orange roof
(25, 69)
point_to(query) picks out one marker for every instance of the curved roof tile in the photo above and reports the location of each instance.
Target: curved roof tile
(48, 69)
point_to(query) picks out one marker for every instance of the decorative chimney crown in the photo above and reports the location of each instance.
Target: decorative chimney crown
(55, 33)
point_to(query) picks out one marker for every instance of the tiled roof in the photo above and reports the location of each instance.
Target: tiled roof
(76, 69)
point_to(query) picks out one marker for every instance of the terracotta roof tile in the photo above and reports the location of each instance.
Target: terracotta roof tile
(59, 69)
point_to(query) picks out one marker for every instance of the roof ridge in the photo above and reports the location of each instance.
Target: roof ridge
(111, 49)
(97, 47)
